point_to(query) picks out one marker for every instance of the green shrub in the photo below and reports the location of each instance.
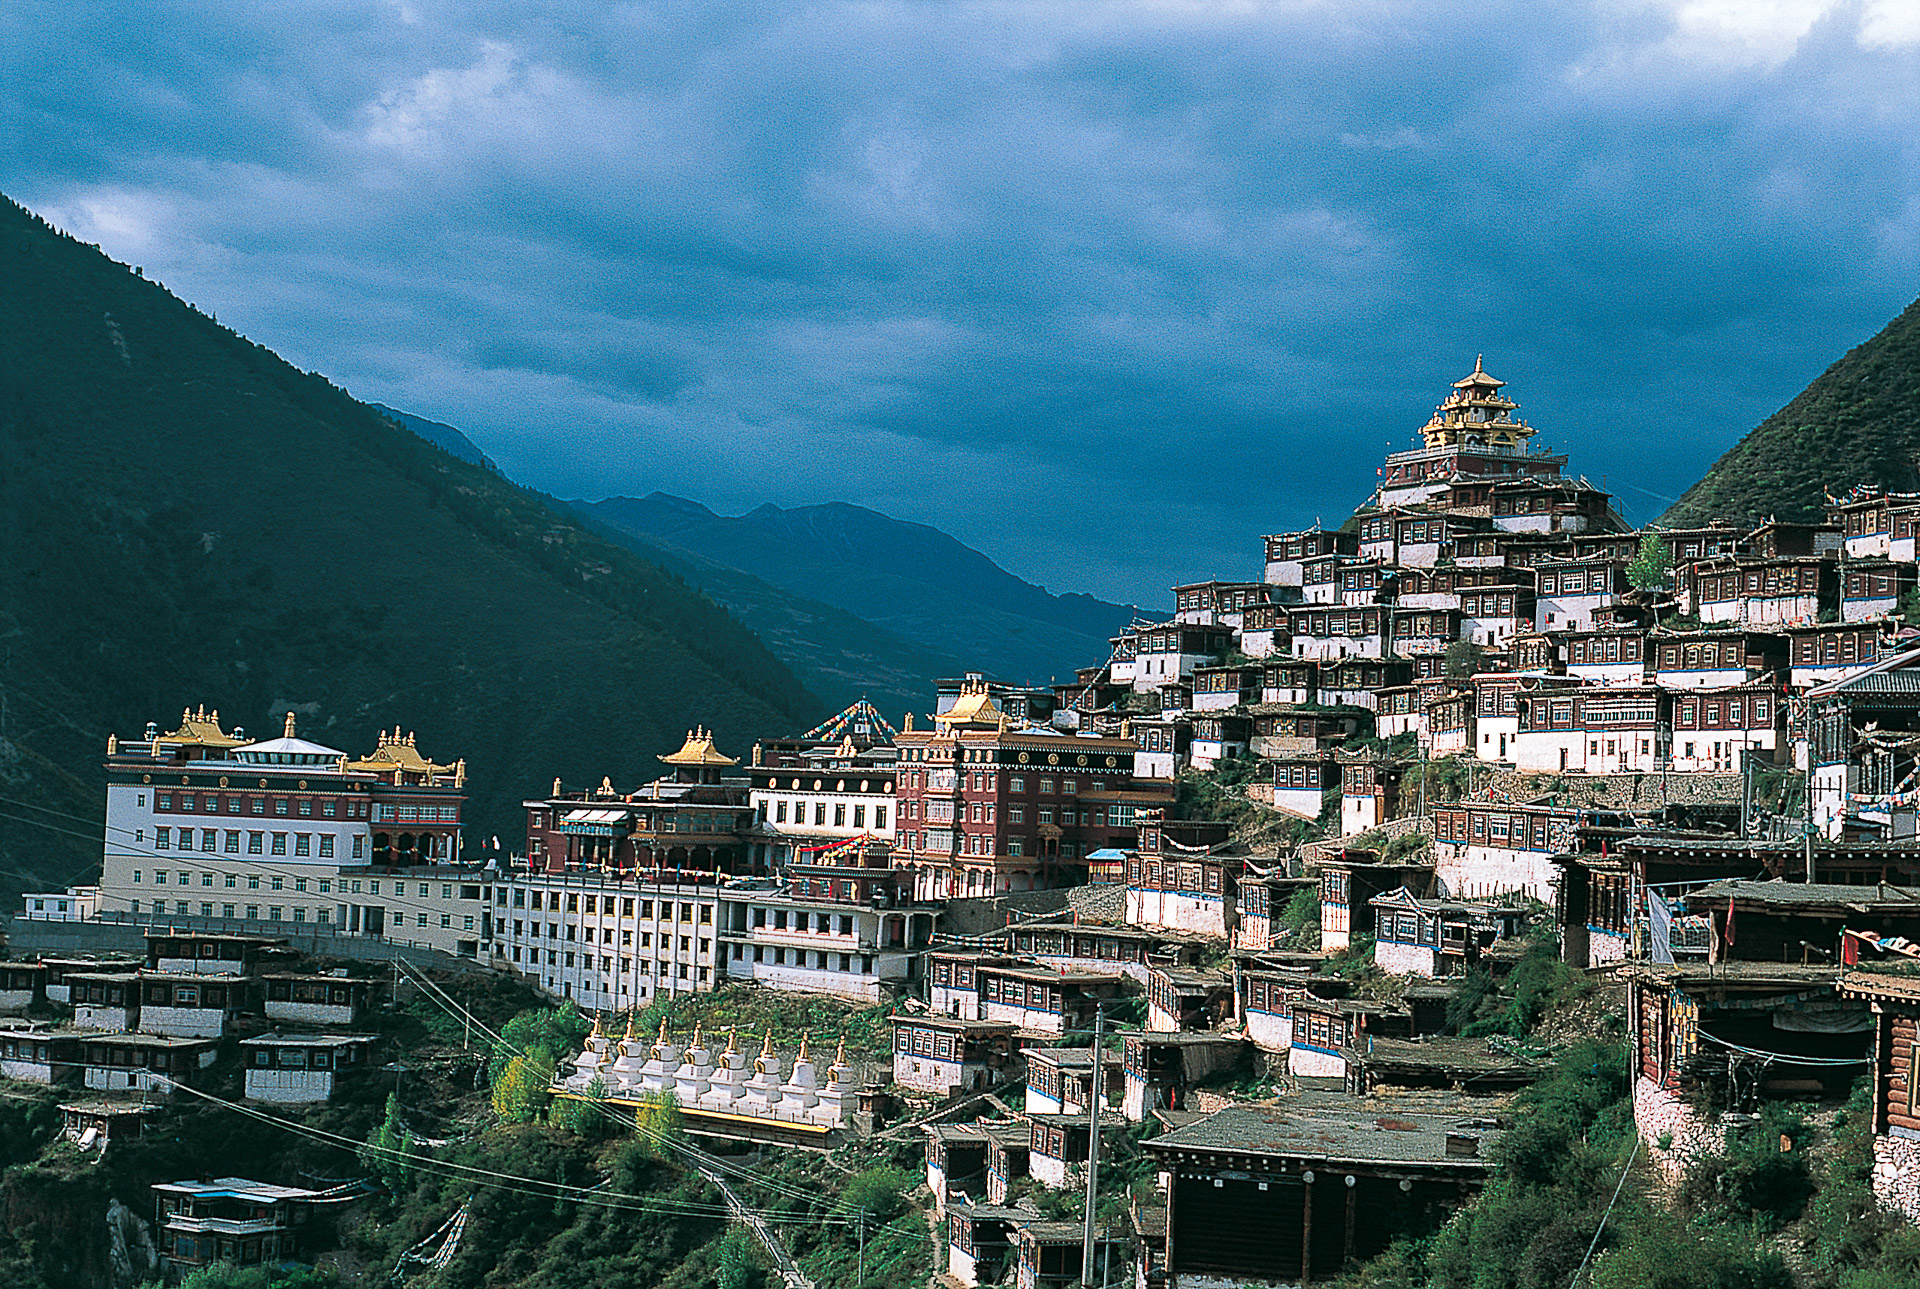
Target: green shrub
(1755, 1180)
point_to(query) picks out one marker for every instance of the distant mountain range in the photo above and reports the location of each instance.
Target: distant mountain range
(1858, 422)
(909, 601)
(441, 436)
(186, 519)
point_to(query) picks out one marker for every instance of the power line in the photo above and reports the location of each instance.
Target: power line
(626, 1119)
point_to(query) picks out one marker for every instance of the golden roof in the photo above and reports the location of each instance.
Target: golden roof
(202, 729)
(396, 753)
(699, 750)
(974, 706)
(1478, 377)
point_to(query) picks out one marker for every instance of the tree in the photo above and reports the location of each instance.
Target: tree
(544, 1034)
(389, 1146)
(658, 1124)
(1649, 570)
(876, 1193)
(736, 1267)
(520, 1093)
(587, 1116)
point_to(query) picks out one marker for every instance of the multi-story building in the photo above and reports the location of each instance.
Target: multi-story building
(1286, 551)
(985, 808)
(820, 799)
(695, 820)
(289, 836)
(608, 940)
(840, 924)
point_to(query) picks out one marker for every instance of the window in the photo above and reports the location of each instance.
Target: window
(306, 807)
(446, 920)
(253, 883)
(255, 841)
(207, 838)
(136, 876)
(358, 841)
(279, 843)
(162, 839)
(303, 843)
(233, 841)
(299, 883)
(279, 882)
(279, 805)
(253, 910)
(326, 845)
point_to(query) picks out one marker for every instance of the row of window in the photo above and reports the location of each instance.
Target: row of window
(555, 930)
(840, 813)
(214, 803)
(323, 915)
(604, 905)
(257, 842)
(624, 966)
(818, 959)
(1804, 580)
(324, 885)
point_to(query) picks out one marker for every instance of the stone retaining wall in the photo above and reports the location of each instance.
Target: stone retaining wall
(1658, 1112)
(1896, 1175)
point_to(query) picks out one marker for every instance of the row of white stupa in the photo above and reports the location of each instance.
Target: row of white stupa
(700, 1080)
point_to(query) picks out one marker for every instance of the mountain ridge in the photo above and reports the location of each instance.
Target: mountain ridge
(186, 519)
(910, 579)
(1858, 422)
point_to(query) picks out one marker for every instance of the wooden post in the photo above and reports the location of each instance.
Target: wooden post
(1346, 1250)
(1306, 1230)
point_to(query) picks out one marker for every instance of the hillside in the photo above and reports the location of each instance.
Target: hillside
(1858, 422)
(440, 435)
(908, 579)
(187, 519)
(835, 654)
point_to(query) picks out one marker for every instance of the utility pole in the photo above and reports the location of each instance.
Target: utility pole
(1094, 1095)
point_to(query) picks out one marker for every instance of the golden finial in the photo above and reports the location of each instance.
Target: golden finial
(733, 1039)
(840, 1052)
(288, 732)
(113, 744)
(766, 1045)
(696, 1035)
(598, 1031)
(629, 1034)
(907, 725)
(803, 1045)
(556, 785)
(663, 1031)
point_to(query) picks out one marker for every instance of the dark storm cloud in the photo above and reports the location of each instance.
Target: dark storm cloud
(1106, 290)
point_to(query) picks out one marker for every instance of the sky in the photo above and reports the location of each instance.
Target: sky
(1104, 290)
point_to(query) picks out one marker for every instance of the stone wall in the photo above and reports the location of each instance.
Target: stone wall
(982, 915)
(1896, 1175)
(1658, 1112)
(1606, 791)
